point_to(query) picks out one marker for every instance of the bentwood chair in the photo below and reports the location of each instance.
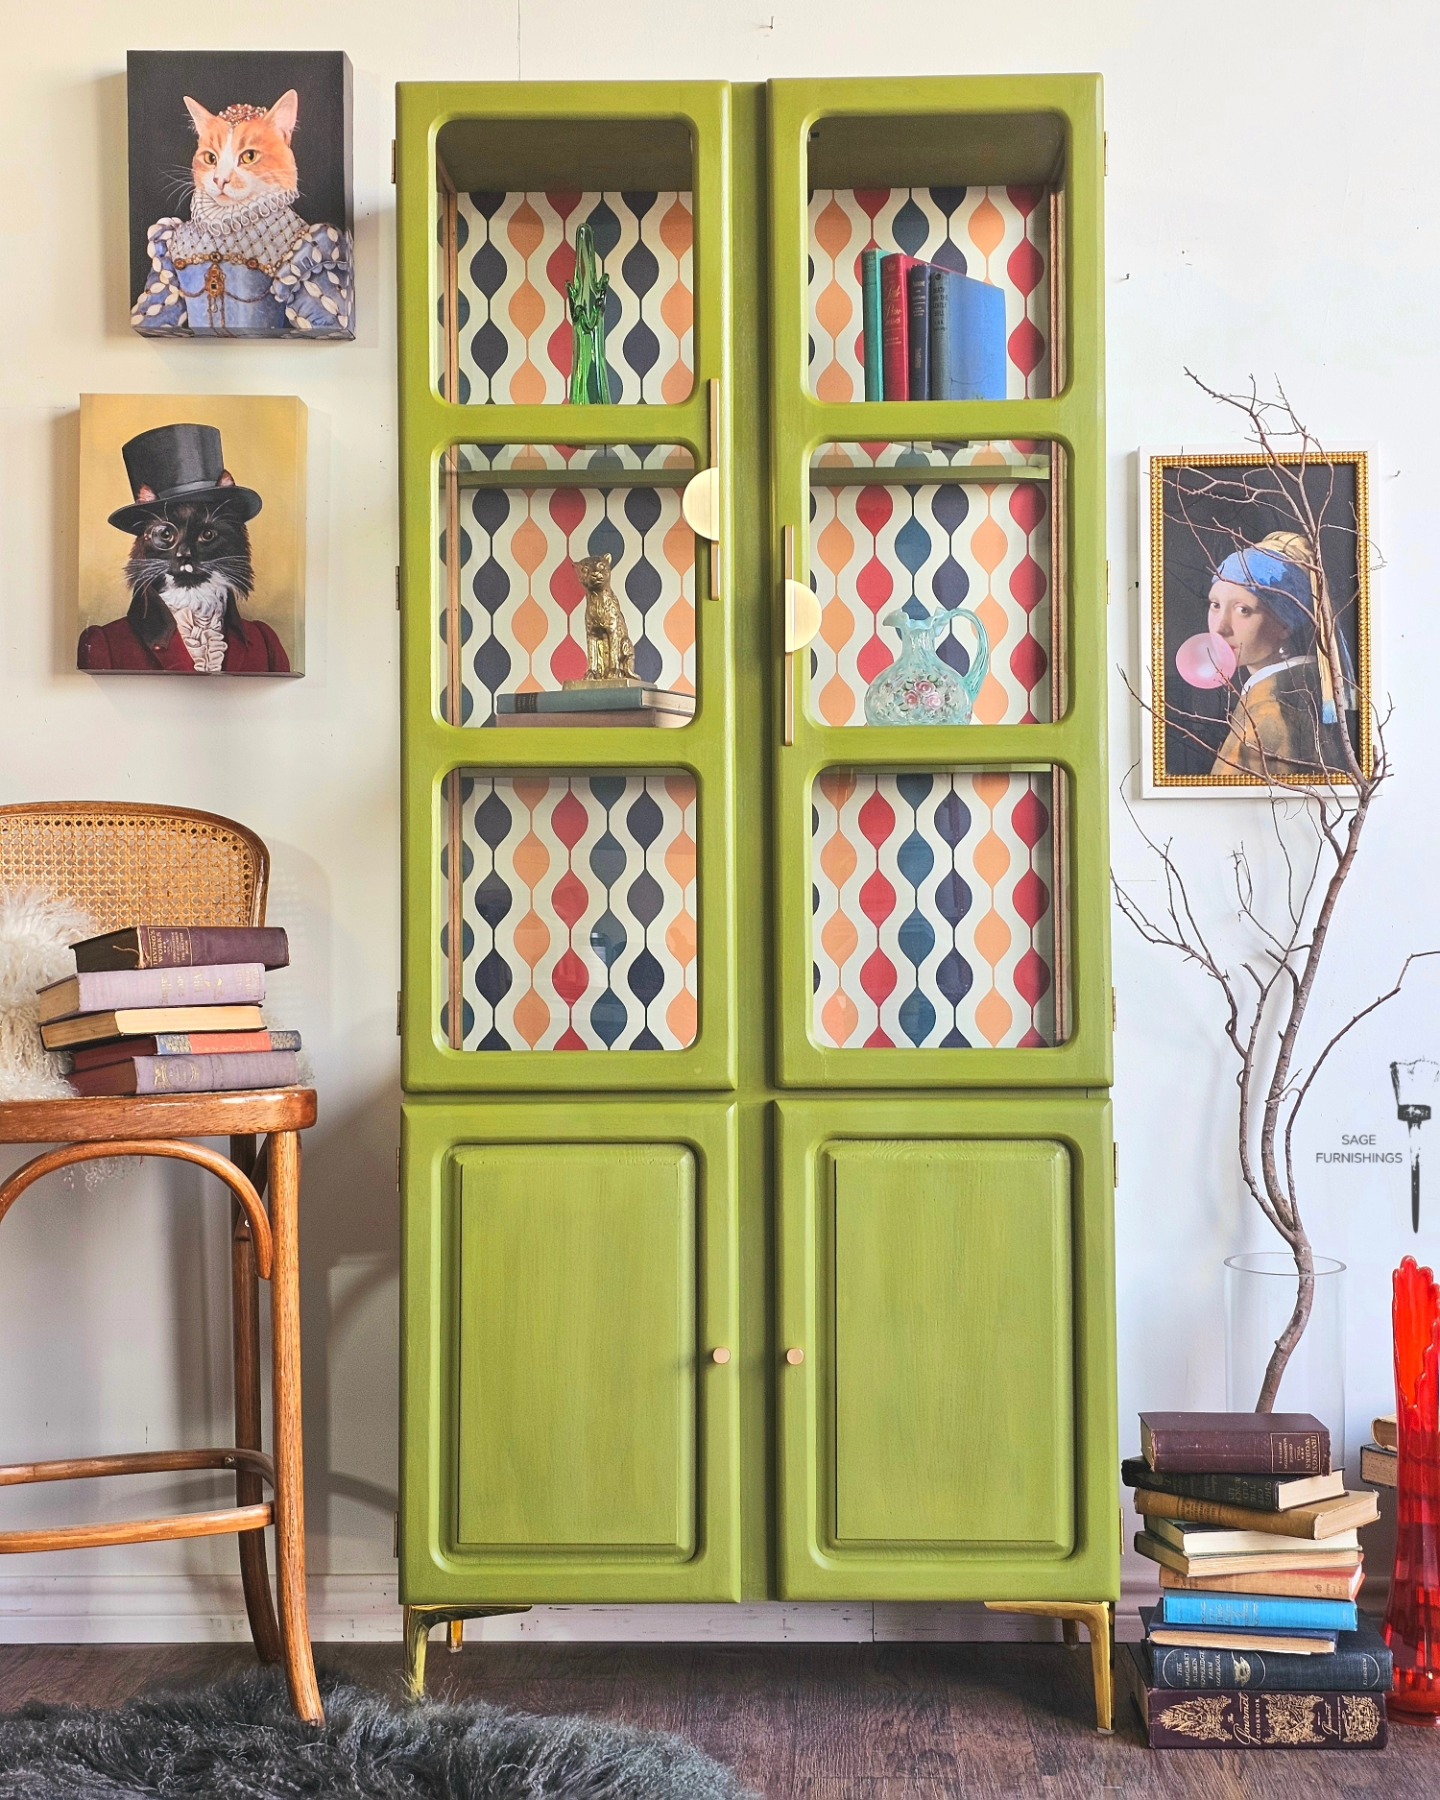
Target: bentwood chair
(124, 865)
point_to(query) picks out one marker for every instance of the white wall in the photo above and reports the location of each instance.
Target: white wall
(1263, 217)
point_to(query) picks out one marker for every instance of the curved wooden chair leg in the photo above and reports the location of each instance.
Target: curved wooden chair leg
(289, 1442)
(245, 1314)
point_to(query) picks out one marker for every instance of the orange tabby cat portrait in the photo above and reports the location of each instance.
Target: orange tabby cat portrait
(245, 263)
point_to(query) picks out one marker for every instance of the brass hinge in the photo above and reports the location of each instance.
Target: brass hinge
(397, 1168)
(397, 587)
(395, 1549)
(1115, 1159)
(394, 161)
(1105, 141)
(399, 1010)
(1114, 1011)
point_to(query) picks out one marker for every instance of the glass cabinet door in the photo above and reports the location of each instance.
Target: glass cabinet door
(939, 638)
(569, 907)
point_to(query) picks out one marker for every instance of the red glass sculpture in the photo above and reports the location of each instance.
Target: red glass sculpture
(1412, 1618)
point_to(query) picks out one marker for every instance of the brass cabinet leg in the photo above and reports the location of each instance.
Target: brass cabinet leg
(1097, 1618)
(289, 1443)
(420, 1621)
(249, 1489)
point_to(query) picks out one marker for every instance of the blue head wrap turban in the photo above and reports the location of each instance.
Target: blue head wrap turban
(1284, 589)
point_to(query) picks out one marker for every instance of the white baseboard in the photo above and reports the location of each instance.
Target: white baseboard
(177, 1609)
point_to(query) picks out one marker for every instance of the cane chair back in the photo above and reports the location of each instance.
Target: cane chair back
(125, 864)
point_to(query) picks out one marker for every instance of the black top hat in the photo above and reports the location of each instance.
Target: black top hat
(178, 462)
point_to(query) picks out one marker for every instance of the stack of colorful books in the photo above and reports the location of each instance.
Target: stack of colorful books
(171, 1009)
(930, 333)
(1257, 1641)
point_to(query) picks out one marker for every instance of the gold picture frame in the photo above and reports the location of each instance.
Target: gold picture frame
(1195, 507)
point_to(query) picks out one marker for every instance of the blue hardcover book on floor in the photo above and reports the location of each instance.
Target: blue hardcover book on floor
(967, 338)
(1260, 1612)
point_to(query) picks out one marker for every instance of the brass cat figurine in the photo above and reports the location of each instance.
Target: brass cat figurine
(608, 648)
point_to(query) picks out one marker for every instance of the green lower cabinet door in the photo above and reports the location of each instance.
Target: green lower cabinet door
(589, 1449)
(934, 1423)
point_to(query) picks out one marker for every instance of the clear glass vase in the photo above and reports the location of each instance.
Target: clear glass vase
(1259, 1298)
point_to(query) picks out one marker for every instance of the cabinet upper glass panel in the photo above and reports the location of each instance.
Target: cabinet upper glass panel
(574, 897)
(514, 193)
(980, 224)
(518, 523)
(936, 923)
(936, 567)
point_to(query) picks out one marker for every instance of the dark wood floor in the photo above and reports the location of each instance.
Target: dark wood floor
(808, 1721)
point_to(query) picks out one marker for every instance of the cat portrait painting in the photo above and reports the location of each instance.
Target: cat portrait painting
(191, 540)
(240, 194)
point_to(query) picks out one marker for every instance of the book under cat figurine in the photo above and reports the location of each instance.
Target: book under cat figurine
(108, 990)
(144, 1021)
(641, 704)
(190, 1074)
(182, 946)
(1235, 1443)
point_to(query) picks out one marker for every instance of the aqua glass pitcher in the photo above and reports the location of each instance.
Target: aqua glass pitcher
(919, 688)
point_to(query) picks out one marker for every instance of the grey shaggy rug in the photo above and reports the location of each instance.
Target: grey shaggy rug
(240, 1739)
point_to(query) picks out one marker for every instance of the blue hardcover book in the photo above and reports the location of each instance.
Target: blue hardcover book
(967, 338)
(870, 321)
(1261, 1612)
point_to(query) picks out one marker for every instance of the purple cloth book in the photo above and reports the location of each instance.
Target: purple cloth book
(108, 990)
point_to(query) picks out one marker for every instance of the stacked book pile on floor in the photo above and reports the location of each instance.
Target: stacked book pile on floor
(930, 333)
(171, 1009)
(1257, 1641)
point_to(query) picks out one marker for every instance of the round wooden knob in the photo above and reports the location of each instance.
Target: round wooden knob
(720, 1354)
(794, 1356)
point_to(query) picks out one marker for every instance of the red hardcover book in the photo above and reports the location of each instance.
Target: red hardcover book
(1235, 1443)
(184, 1043)
(895, 323)
(182, 946)
(190, 1074)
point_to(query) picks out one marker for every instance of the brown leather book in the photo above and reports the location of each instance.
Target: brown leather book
(1235, 1443)
(1319, 1520)
(182, 947)
(1386, 1432)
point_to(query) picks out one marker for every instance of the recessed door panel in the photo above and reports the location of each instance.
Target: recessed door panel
(952, 1359)
(577, 1348)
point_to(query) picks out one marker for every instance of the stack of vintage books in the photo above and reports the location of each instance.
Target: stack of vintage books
(1257, 1641)
(170, 1009)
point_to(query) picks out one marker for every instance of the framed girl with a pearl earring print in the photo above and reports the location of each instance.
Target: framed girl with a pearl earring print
(240, 194)
(1257, 623)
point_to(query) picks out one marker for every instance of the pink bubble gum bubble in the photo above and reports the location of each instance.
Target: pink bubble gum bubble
(1205, 661)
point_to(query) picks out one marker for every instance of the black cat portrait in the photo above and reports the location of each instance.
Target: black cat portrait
(189, 568)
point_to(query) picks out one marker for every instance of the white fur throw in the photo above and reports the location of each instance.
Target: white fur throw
(36, 932)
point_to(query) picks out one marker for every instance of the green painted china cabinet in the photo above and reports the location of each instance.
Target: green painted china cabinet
(757, 1166)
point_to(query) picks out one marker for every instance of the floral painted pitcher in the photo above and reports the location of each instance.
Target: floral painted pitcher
(919, 688)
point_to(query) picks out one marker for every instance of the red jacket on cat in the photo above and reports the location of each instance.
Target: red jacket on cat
(251, 648)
